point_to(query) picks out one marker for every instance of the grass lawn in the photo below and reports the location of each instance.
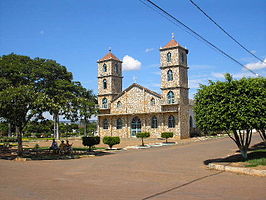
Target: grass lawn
(258, 161)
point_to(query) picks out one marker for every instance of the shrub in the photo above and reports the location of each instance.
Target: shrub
(167, 135)
(38, 135)
(8, 139)
(27, 135)
(90, 141)
(111, 141)
(143, 135)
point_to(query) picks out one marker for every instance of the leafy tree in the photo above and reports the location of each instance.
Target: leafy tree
(43, 127)
(56, 82)
(233, 106)
(86, 106)
(3, 128)
(167, 135)
(143, 135)
(18, 105)
(29, 87)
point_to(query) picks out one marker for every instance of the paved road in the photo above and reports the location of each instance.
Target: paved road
(173, 172)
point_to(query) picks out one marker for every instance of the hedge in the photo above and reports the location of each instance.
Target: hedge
(90, 141)
(111, 141)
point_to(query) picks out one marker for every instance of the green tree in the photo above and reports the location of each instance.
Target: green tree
(18, 106)
(233, 106)
(167, 135)
(86, 107)
(143, 135)
(56, 82)
(3, 128)
(29, 87)
(43, 127)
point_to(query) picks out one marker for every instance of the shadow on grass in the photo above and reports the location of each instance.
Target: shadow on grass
(48, 155)
(254, 154)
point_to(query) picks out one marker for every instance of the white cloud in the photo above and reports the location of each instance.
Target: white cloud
(236, 75)
(217, 75)
(130, 63)
(256, 65)
(149, 50)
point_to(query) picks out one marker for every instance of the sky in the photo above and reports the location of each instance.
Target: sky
(77, 33)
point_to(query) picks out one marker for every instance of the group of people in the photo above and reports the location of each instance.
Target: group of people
(63, 147)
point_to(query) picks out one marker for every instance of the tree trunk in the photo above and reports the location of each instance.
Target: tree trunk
(19, 136)
(242, 140)
(9, 130)
(142, 141)
(56, 126)
(85, 128)
(262, 134)
(244, 153)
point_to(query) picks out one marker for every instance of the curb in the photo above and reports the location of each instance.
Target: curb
(248, 171)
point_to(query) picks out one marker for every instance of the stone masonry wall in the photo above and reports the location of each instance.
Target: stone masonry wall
(125, 132)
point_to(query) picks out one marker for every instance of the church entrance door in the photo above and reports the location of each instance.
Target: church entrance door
(135, 126)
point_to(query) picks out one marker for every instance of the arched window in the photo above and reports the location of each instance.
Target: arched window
(105, 124)
(135, 126)
(105, 103)
(154, 122)
(169, 75)
(171, 121)
(169, 57)
(119, 123)
(152, 101)
(182, 58)
(170, 97)
(104, 84)
(116, 68)
(119, 104)
(104, 68)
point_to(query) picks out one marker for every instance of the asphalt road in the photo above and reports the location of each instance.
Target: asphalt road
(172, 172)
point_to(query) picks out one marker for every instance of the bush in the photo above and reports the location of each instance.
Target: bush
(38, 135)
(167, 135)
(8, 139)
(143, 135)
(90, 141)
(27, 135)
(111, 141)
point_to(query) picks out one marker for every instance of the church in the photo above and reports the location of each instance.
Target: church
(136, 109)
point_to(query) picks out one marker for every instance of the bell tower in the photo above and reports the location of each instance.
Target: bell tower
(174, 71)
(174, 81)
(109, 79)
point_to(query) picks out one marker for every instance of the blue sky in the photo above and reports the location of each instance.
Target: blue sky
(76, 33)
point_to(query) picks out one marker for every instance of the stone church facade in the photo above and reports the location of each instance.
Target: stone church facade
(138, 109)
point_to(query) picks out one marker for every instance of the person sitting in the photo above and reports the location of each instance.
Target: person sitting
(54, 146)
(62, 147)
(68, 146)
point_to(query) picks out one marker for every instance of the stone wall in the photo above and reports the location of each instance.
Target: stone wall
(125, 132)
(136, 100)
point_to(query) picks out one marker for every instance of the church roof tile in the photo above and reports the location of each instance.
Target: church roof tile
(109, 56)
